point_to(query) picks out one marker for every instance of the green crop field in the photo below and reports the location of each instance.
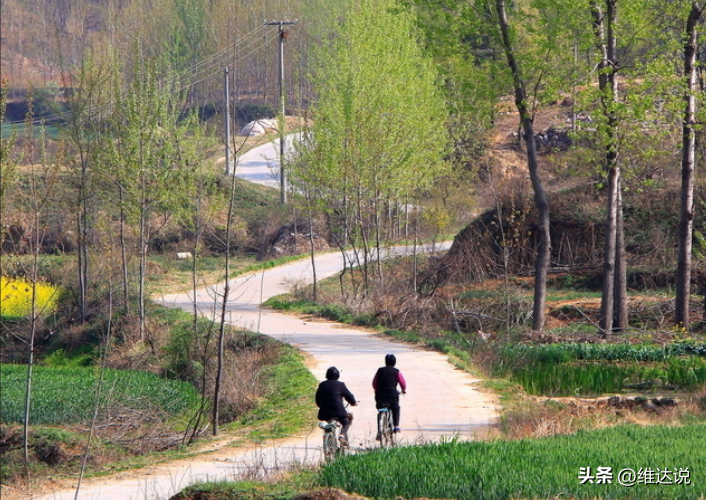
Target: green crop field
(591, 369)
(63, 395)
(51, 131)
(624, 462)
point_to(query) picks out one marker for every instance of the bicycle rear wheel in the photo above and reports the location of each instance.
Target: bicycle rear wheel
(387, 435)
(330, 446)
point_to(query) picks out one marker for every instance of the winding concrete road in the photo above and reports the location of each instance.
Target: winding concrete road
(261, 165)
(441, 402)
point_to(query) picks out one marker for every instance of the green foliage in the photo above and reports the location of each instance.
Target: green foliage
(64, 395)
(8, 138)
(478, 294)
(180, 360)
(539, 468)
(379, 138)
(61, 358)
(529, 353)
(188, 38)
(334, 312)
(46, 104)
(590, 369)
(247, 112)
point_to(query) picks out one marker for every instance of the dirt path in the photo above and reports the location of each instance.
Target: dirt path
(442, 402)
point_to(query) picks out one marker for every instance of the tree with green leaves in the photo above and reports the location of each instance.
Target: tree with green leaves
(38, 201)
(91, 88)
(141, 159)
(637, 85)
(188, 40)
(379, 136)
(613, 296)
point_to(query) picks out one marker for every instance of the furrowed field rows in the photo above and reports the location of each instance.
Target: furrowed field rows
(591, 369)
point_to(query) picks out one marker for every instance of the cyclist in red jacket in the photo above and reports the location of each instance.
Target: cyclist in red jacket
(385, 383)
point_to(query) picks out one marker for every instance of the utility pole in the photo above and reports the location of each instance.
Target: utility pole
(229, 171)
(282, 37)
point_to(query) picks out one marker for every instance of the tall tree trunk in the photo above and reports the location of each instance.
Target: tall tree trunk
(82, 235)
(123, 253)
(312, 246)
(686, 219)
(378, 249)
(603, 29)
(39, 201)
(224, 309)
(31, 341)
(540, 197)
(620, 290)
(609, 253)
(99, 387)
(143, 272)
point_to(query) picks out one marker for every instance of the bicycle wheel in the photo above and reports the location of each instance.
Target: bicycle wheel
(387, 439)
(390, 430)
(330, 446)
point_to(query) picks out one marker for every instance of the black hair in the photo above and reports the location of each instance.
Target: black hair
(390, 360)
(332, 373)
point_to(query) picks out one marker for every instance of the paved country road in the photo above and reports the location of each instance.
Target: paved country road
(260, 165)
(441, 402)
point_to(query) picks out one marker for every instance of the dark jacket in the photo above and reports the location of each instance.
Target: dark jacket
(329, 399)
(385, 383)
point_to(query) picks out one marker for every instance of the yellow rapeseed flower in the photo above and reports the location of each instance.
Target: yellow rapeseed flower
(16, 298)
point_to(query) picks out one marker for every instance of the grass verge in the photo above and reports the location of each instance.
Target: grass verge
(287, 407)
(284, 489)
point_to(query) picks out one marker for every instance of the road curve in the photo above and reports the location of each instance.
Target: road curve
(441, 402)
(261, 165)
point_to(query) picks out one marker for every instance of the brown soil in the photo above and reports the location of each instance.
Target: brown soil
(327, 494)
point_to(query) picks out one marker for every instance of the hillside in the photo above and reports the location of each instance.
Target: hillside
(41, 39)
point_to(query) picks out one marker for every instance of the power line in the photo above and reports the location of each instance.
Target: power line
(197, 73)
(217, 69)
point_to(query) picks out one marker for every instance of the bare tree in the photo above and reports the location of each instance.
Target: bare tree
(540, 197)
(41, 179)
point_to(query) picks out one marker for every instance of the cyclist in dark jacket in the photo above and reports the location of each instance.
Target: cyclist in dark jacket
(385, 384)
(329, 399)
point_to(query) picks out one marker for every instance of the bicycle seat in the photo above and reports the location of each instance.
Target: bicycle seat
(384, 409)
(330, 425)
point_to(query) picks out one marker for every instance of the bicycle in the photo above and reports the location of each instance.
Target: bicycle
(334, 445)
(386, 429)
(331, 446)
